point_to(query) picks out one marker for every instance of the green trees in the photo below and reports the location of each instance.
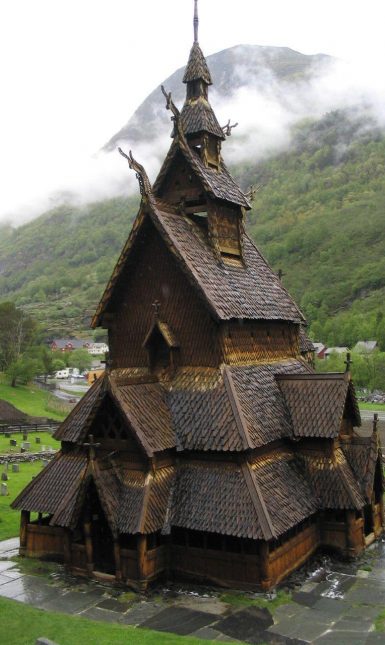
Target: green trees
(80, 358)
(17, 331)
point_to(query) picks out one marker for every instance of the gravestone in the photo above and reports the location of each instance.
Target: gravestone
(4, 477)
(43, 448)
(5, 466)
(22, 449)
(37, 440)
(15, 468)
(3, 490)
(25, 437)
(13, 442)
(44, 462)
(27, 445)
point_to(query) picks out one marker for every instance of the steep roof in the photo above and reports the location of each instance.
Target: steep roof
(317, 402)
(196, 66)
(218, 183)
(332, 480)
(237, 500)
(197, 115)
(363, 454)
(251, 290)
(46, 492)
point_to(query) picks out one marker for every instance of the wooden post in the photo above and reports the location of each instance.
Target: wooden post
(265, 565)
(118, 564)
(89, 549)
(142, 559)
(24, 521)
(67, 547)
(351, 546)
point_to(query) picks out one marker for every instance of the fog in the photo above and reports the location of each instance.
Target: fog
(265, 113)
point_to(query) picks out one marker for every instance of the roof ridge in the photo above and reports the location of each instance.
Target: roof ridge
(114, 390)
(236, 407)
(258, 502)
(340, 468)
(147, 489)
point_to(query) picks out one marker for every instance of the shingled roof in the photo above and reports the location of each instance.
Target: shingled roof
(363, 454)
(196, 66)
(249, 291)
(236, 500)
(317, 402)
(198, 116)
(46, 492)
(332, 480)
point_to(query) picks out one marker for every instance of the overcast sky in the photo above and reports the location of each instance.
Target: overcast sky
(73, 71)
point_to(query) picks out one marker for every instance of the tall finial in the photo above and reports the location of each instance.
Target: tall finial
(196, 21)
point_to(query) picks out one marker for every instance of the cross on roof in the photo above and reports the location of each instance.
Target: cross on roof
(280, 274)
(91, 446)
(348, 362)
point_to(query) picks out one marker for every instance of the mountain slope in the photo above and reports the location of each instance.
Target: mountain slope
(231, 69)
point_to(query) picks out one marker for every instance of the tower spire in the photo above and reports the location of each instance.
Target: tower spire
(196, 21)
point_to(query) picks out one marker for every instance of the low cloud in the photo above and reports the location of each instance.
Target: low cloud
(266, 113)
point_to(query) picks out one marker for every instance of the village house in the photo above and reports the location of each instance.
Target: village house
(209, 449)
(365, 347)
(319, 350)
(95, 349)
(335, 350)
(69, 344)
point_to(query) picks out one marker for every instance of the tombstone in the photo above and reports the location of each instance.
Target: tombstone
(5, 466)
(22, 449)
(13, 442)
(44, 462)
(15, 468)
(27, 445)
(43, 448)
(25, 437)
(3, 490)
(4, 477)
(37, 440)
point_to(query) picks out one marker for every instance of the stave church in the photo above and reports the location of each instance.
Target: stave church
(209, 450)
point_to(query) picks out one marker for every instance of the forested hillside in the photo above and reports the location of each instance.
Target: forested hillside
(318, 215)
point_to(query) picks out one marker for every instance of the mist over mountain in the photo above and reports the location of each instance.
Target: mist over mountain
(268, 70)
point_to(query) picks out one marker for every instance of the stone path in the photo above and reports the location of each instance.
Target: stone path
(332, 602)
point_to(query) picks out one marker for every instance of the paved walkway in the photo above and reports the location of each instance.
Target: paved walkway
(332, 603)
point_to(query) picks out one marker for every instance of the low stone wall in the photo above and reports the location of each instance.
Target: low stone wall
(18, 457)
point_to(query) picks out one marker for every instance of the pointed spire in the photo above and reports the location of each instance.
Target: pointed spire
(196, 21)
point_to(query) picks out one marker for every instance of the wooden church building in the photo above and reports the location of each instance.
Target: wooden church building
(209, 450)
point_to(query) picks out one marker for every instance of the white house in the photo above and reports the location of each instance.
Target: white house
(98, 348)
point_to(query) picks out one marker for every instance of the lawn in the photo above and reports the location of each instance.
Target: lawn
(32, 401)
(45, 438)
(10, 519)
(372, 406)
(22, 625)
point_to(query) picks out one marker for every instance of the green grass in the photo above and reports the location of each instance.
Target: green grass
(10, 519)
(372, 406)
(22, 625)
(45, 437)
(241, 599)
(31, 400)
(379, 623)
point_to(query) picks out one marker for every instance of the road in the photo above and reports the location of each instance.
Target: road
(368, 414)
